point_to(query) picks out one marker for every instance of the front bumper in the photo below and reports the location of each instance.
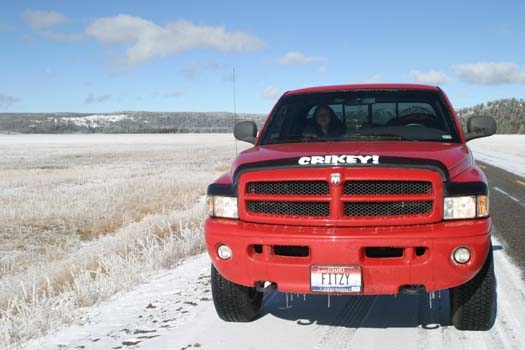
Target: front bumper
(425, 258)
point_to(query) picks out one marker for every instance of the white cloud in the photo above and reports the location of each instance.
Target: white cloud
(96, 99)
(38, 20)
(146, 39)
(431, 77)
(42, 22)
(295, 57)
(490, 73)
(6, 101)
(271, 93)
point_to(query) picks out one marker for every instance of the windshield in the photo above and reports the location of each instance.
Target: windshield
(413, 115)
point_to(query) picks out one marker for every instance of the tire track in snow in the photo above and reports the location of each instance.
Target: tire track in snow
(347, 322)
(307, 322)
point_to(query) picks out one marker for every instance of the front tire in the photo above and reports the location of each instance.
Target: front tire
(233, 302)
(473, 304)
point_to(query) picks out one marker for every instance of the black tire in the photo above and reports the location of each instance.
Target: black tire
(473, 304)
(233, 302)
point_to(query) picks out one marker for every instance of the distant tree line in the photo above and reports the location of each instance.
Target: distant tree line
(509, 114)
(124, 122)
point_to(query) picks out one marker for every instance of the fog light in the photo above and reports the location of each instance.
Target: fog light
(224, 252)
(461, 255)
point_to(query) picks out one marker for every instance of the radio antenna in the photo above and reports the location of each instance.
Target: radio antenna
(234, 108)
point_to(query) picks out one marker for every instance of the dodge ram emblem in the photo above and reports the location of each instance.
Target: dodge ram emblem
(335, 179)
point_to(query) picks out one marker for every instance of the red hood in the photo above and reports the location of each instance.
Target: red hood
(456, 158)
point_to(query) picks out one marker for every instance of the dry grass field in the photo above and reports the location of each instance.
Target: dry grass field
(85, 216)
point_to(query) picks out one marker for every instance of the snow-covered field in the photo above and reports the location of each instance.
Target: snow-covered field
(84, 216)
(172, 309)
(503, 151)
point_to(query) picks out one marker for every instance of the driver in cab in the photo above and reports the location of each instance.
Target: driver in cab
(324, 123)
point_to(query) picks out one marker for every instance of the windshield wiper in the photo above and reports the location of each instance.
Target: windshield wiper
(382, 136)
(394, 137)
(294, 139)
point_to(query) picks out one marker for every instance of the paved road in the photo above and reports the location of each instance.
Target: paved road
(507, 208)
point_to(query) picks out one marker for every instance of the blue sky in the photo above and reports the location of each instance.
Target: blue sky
(117, 55)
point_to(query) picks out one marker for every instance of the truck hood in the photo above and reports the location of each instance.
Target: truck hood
(450, 159)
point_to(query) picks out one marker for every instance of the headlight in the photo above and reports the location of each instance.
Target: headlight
(224, 207)
(466, 207)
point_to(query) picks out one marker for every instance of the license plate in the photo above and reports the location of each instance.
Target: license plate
(335, 279)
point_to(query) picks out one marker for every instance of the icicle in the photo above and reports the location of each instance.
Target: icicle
(328, 300)
(431, 296)
(287, 305)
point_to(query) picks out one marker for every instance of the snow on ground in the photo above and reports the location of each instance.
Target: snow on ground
(174, 309)
(97, 139)
(150, 310)
(503, 151)
(96, 119)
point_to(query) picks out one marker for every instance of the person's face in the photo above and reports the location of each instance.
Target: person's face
(322, 117)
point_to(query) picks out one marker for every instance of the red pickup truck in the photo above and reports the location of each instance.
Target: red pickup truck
(355, 190)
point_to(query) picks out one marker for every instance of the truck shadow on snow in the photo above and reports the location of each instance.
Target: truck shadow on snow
(361, 311)
(358, 311)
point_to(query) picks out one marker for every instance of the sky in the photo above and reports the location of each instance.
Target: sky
(240, 56)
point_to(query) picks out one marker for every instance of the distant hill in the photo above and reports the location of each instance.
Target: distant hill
(509, 114)
(123, 122)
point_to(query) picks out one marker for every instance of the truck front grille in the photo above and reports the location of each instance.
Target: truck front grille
(387, 187)
(289, 208)
(387, 208)
(288, 187)
(364, 197)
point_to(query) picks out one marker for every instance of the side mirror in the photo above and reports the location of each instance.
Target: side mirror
(480, 126)
(245, 131)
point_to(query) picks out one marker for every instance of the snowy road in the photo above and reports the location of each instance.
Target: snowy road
(369, 322)
(175, 311)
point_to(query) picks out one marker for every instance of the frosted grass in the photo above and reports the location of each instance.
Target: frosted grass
(83, 217)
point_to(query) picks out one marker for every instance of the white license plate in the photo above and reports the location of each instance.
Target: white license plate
(335, 279)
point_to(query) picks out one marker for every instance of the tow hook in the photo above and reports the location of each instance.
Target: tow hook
(412, 289)
(265, 286)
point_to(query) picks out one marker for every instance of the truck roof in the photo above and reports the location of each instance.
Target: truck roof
(361, 87)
